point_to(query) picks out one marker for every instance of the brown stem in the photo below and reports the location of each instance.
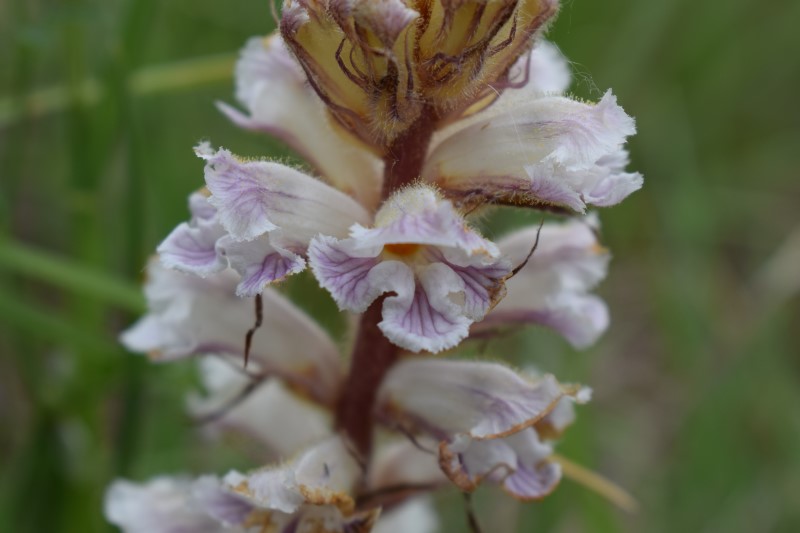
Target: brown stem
(406, 155)
(373, 355)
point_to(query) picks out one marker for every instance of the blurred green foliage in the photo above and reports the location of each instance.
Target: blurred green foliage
(697, 383)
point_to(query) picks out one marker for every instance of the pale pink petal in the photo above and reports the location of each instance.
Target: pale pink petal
(485, 417)
(552, 426)
(602, 184)
(581, 319)
(200, 208)
(256, 197)
(204, 247)
(193, 249)
(480, 278)
(607, 183)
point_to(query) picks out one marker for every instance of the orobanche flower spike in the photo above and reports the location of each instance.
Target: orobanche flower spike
(412, 115)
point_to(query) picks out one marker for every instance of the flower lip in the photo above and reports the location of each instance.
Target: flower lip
(443, 274)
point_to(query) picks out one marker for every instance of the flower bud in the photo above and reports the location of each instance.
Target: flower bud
(380, 65)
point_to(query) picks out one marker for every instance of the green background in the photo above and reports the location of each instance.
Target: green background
(697, 382)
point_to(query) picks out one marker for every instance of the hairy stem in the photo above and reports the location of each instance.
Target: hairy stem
(405, 156)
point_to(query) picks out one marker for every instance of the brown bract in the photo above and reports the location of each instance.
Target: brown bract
(379, 65)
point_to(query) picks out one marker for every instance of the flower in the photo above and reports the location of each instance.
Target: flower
(443, 274)
(484, 417)
(552, 288)
(258, 218)
(556, 153)
(413, 116)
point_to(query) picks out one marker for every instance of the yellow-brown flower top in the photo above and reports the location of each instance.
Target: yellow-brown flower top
(379, 65)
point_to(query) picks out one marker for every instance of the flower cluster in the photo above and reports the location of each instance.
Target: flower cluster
(413, 115)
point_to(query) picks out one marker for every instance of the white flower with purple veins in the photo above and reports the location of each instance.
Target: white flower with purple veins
(443, 274)
(413, 116)
(258, 218)
(546, 151)
(552, 289)
(483, 416)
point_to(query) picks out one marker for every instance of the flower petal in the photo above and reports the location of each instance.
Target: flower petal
(603, 184)
(346, 273)
(268, 406)
(485, 417)
(555, 152)
(548, 72)
(420, 215)
(517, 462)
(192, 247)
(552, 426)
(259, 262)
(482, 286)
(552, 288)
(323, 475)
(162, 505)
(273, 89)
(204, 247)
(426, 318)
(483, 400)
(190, 315)
(255, 197)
